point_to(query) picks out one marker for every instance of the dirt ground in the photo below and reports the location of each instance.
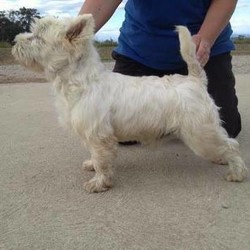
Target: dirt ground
(14, 73)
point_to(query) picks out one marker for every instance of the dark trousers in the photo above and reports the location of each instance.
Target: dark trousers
(221, 84)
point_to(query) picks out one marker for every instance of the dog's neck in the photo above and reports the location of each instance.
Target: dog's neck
(73, 77)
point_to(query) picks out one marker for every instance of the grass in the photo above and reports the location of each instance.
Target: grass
(241, 40)
(242, 48)
(7, 58)
(5, 45)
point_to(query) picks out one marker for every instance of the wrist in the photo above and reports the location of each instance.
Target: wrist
(209, 41)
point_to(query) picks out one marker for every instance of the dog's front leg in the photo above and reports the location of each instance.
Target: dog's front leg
(102, 154)
(88, 165)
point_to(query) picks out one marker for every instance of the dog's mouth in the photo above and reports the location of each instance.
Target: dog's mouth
(34, 66)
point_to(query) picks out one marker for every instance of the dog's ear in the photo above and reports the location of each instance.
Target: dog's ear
(81, 28)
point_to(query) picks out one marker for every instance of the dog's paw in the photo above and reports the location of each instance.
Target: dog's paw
(97, 184)
(220, 161)
(88, 165)
(237, 176)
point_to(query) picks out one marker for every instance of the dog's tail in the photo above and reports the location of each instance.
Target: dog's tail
(188, 53)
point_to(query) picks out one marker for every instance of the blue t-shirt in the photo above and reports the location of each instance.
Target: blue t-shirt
(148, 32)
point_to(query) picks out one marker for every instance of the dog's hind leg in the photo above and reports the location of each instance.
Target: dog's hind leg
(102, 155)
(211, 142)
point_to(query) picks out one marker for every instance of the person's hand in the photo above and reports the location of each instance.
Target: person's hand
(203, 48)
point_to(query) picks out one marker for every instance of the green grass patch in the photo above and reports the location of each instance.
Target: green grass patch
(241, 40)
(5, 45)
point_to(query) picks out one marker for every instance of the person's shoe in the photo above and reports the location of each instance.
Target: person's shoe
(128, 143)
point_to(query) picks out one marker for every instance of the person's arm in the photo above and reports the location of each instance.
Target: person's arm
(101, 10)
(217, 17)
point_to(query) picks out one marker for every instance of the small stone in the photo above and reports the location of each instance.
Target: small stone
(225, 206)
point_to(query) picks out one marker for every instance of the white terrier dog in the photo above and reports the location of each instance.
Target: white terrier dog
(105, 107)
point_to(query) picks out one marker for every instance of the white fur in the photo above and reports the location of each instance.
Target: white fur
(105, 107)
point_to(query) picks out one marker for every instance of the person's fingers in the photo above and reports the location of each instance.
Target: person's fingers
(196, 39)
(203, 53)
(202, 49)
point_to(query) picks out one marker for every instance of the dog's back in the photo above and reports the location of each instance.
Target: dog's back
(188, 53)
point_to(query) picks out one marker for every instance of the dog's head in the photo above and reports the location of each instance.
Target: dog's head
(53, 43)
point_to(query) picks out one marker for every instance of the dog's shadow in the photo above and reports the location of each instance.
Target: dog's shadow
(163, 163)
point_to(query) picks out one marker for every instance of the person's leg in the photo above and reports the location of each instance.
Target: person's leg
(127, 66)
(221, 86)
